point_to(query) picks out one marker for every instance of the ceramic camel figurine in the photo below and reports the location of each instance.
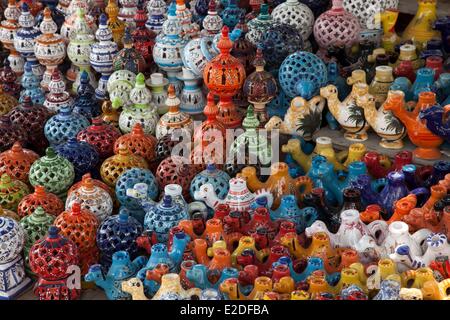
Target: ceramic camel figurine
(135, 288)
(348, 113)
(303, 118)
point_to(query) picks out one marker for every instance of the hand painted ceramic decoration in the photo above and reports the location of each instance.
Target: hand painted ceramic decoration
(127, 12)
(10, 133)
(168, 48)
(156, 15)
(435, 120)
(57, 97)
(143, 38)
(129, 58)
(52, 266)
(16, 162)
(80, 226)
(174, 121)
(260, 88)
(97, 10)
(86, 104)
(389, 39)
(11, 262)
(192, 99)
(117, 26)
(32, 119)
(49, 202)
(56, 14)
(82, 155)
(101, 56)
(11, 191)
(31, 86)
(8, 30)
(50, 49)
(114, 166)
(225, 87)
(109, 115)
(63, 6)
(158, 84)
(258, 26)
(232, 14)
(101, 136)
(189, 29)
(34, 6)
(297, 15)
(69, 28)
(243, 50)
(8, 78)
(336, 27)
(53, 172)
(24, 40)
(200, 11)
(64, 125)
(217, 178)
(119, 86)
(138, 143)
(212, 23)
(141, 111)
(79, 49)
(196, 53)
(7, 102)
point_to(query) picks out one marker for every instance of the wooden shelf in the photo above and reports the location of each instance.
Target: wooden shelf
(410, 7)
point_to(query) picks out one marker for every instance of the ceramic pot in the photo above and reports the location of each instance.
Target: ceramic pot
(156, 15)
(17, 161)
(64, 125)
(158, 84)
(49, 202)
(297, 15)
(115, 25)
(419, 29)
(31, 87)
(129, 58)
(58, 97)
(11, 192)
(138, 143)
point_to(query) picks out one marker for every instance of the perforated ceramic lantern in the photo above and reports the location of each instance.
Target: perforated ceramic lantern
(51, 258)
(11, 192)
(116, 25)
(86, 103)
(49, 202)
(258, 26)
(119, 85)
(80, 225)
(158, 87)
(114, 166)
(129, 58)
(64, 125)
(8, 80)
(127, 11)
(7, 102)
(212, 23)
(53, 172)
(10, 133)
(192, 98)
(189, 29)
(138, 143)
(232, 14)
(93, 198)
(224, 76)
(31, 86)
(9, 214)
(218, 178)
(156, 15)
(101, 136)
(12, 269)
(336, 27)
(296, 14)
(366, 11)
(96, 182)
(127, 181)
(58, 97)
(17, 161)
(143, 38)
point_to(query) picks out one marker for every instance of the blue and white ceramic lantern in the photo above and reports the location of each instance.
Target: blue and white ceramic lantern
(302, 74)
(24, 40)
(101, 57)
(12, 271)
(168, 49)
(197, 53)
(156, 15)
(192, 99)
(31, 85)
(218, 178)
(127, 181)
(64, 125)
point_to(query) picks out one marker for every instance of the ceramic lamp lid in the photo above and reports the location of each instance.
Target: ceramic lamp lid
(157, 80)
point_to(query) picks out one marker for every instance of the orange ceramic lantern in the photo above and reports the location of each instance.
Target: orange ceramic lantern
(138, 143)
(80, 226)
(224, 76)
(50, 202)
(114, 166)
(17, 161)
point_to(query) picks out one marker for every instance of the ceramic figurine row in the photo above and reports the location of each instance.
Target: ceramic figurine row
(93, 173)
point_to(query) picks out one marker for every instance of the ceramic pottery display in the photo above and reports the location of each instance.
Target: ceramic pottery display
(258, 26)
(101, 136)
(64, 125)
(158, 84)
(114, 24)
(31, 86)
(143, 38)
(127, 11)
(69, 26)
(297, 15)
(80, 225)
(50, 49)
(129, 58)
(7, 102)
(57, 97)
(11, 262)
(217, 178)
(8, 80)
(52, 266)
(9, 214)
(189, 29)
(212, 23)
(119, 86)
(156, 15)
(11, 192)
(86, 103)
(16, 162)
(232, 14)
(9, 28)
(138, 143)
(192, 99)
(49, 202)
(225, 87)
(10, 133)
(389, 39)
(53, 172)
(243, 50)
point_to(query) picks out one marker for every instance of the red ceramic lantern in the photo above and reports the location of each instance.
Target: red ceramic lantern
(80, 226)
(8, 80)
(50, 259)
(50, 202)
(10, 133)
(138, 143)
(100, 135)
(17, 161)
(224, 76)
(143, 38)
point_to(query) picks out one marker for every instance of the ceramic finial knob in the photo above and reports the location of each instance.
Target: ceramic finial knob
(53, 232)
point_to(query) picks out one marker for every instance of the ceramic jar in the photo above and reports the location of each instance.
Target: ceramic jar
(50, 49)
(7, 102)
(8, 80)
(80, 226)
(156, 15)
(31, 86)
(420, 28)
(336, 27)
(9, 214)
(167, 51)
(97, 10)
(58, 97)
(297, 15)
(102, 54)
(53, 172)
(8, 30)
(11, 262)
(114, 166)
(225, 87)
(49, 202)
(129, 58)
(86, 103)
(232, 14)
(196, 54)
(101, 136)
(117, 26)
(127, 11)
(174, 170)
(64, 125)
(35, 227)
(10, 133)
(192, 99)
(258, 26)
(408, 52)
(138, 143)
(143, 38)
(117, 233)
(16, 162)
(243, 50)
(69, 26)
(189, 29)
(11, 192)
(52, 266)
(217, 178)
(119, 85)
(379, 87)
(174, 121)
(212, 23)
(158, 84)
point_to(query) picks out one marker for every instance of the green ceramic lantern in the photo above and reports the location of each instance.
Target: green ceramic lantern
(53, 172)
(36, 227)
(11, 192)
